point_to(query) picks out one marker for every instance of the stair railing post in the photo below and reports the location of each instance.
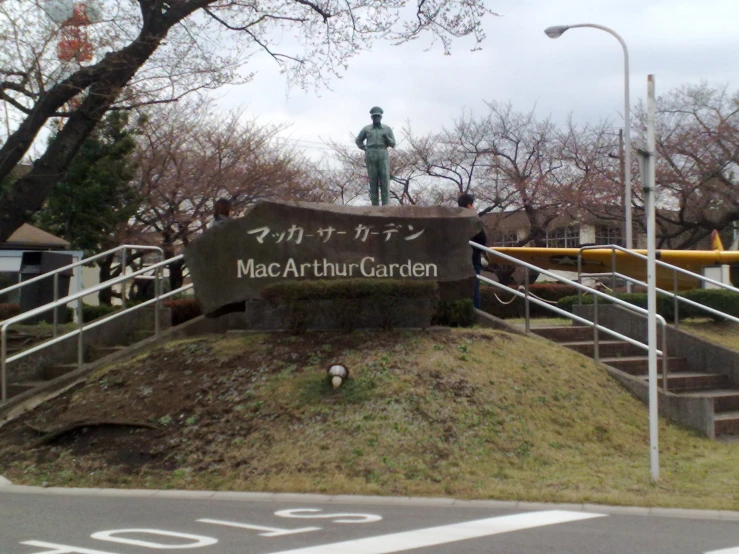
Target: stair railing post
(56, 309)
(527, 307)
(664, 357)
(596, 349)
(3, 357)
(674, 299)
(157, 292)
(613, 269)
(579, 280)
(80, 341)
(124, 264)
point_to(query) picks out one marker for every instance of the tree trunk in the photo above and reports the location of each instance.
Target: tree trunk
(105, 264)
(104, 82)
(176, 271)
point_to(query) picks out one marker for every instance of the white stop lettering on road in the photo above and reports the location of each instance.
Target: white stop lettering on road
(198, 541)
(312, 513)
(62, 548)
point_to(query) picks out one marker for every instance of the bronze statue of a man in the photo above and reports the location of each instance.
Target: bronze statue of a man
(378, 137)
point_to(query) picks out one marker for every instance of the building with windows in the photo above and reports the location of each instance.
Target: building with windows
(562, 231)
(25, 255)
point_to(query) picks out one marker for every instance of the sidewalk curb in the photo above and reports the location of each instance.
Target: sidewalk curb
(724, 515)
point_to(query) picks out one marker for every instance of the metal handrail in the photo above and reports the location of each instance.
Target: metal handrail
(672, 295)
(675, 269)
(4, 360)
(596, 294)
(55, 273)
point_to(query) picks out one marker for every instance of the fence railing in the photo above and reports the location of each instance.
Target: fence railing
(613, 274)
(597, 328)
(81, 325)
(124, 248)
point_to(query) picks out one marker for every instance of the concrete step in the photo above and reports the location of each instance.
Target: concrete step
(724, 400)
(693, 381)
(568, 333)
(95, 353)
(57, 370)
(606, 348)
(726, 423)
(141, 334)
(637, 365)
(14, 349)
(14, 389)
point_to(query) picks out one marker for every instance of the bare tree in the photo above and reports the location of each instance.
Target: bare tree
(152, 51)
(697, 163)
(591, 178)
(405, 177)
(190, 157)
(526, 154)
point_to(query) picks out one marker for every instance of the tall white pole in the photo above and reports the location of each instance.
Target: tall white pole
(652, 283)
(558, 31)
(627, 151)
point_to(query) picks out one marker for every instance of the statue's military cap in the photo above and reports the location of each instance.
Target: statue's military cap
(376, 111)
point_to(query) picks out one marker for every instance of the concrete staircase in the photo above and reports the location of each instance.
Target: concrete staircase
(682, 380)
(20, 340)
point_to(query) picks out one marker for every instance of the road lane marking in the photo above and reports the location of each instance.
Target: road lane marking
(269, 531)
(444, 534)
(734, 550)
(312, 513)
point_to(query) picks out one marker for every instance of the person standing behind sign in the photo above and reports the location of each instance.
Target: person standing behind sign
(221, 211)
(467, 201)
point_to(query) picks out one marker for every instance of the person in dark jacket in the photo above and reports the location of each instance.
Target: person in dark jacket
(467, 201)
(221, 211)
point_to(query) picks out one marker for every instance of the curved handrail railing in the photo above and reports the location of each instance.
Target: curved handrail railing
(55, 273)
(675, 269)
(4, 325)
(596, 294)
(672, 295)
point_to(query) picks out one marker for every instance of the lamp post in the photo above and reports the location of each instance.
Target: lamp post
(556, 32)
(646, 155)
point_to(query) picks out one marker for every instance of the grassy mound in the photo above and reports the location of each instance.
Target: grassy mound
(464, 413)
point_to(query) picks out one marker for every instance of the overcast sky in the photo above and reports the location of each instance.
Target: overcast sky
(582, 72)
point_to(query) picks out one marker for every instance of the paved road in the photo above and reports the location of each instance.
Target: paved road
(63, 521)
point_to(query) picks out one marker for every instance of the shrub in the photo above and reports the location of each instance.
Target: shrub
(455, 313)
(721, 300)
(9, 310)
(724, 301)
(183, 309)
(302, 299)
(90, 313)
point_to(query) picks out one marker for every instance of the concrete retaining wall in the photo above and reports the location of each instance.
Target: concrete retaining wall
(695, 412)
(701, 354)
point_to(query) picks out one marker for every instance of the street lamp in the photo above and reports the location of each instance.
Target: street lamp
(556, 32)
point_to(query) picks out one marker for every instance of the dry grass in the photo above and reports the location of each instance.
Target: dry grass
(725, 333)
(463, 413)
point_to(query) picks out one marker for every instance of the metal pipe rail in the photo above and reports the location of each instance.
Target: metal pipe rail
(4, 360)
(674, 268)
(596, 294)
(55, 273)
(676, 298)
(565, 313)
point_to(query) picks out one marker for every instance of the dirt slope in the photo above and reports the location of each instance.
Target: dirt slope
(468, 413)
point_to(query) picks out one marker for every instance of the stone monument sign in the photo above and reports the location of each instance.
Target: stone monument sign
(278, 241)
